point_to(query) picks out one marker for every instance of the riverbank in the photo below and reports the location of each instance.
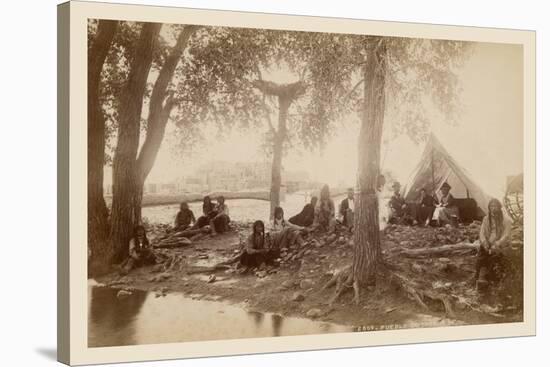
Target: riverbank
(296, 287)
(169, 199)
(150, 200)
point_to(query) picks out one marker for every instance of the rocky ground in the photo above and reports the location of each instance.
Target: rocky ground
(433, 268)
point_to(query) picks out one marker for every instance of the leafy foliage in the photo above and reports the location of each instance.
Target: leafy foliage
(421, 76)
(214, 80)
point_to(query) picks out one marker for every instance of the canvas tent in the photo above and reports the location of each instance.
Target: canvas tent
(436, 166)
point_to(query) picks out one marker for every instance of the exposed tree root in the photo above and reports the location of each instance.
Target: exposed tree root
(179, 239)
(414, 291)
(445, 250)
(173, 261)
(174, 243)
(343, 281)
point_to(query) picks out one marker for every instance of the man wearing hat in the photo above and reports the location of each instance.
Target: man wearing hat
(398, 206)
(446, 212)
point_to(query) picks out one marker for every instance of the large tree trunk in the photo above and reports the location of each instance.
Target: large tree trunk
(98, 225)
(148, 155)
(367, 234)
(286, 94)
(124, 163)
(159, 113)
(276, 166)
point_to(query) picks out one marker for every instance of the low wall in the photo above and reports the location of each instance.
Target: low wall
(168, 199)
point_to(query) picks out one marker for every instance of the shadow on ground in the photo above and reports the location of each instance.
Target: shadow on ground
(49, 353)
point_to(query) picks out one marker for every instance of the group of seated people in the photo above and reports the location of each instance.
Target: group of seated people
(214, 215)
(263, 247)
(426, 210)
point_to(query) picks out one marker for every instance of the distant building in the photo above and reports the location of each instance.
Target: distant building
(235, 176)
(168, 188)
(231, 176)
(150, 188)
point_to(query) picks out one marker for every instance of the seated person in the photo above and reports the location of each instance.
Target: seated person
(399, 210)
(220, 222)
(324, 212)
(446, 209)
(306, 216)
(283, 233)
(425, 208)
(347, 208)
(208, 213)
(493, 235)
(140, 252)
(258, 248)
(184, 218)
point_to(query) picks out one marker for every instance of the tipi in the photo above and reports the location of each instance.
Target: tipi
(436, 166)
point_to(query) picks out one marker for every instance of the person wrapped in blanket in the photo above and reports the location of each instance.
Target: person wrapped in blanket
(307, 215)
(325, 219)
(259, 248)
(283, 233)
(219, 223)
(399, 210)
(493, 236)
(140, 252)
(264, 247)
(184, 218)
(425, 208)
(208, 213)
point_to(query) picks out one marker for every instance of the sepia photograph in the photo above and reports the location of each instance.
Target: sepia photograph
(247, 183)
(247, 180)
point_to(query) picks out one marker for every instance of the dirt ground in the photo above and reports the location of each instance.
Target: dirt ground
(295, 287)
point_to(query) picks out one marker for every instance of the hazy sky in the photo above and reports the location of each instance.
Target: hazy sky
(488, 140)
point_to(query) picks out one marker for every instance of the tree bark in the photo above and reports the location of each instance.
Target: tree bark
(367, 234)
(286, 94)
(124, 162)
(98, 225)
(276, 166)
(159, 113)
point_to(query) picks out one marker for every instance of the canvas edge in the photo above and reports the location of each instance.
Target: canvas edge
(117, 354)
(63, 228)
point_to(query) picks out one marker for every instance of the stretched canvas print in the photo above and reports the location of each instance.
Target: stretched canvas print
(237, 183)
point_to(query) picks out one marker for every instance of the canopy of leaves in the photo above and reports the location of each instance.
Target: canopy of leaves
(116, 68)
(218, 80)
(214, 80)
(421, 74)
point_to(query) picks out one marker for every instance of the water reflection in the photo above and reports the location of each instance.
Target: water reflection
(119, 315)
(277, 322)
(143, 318)
(257, 318)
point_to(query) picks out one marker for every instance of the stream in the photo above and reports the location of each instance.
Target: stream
(242, 210)
(143, 318)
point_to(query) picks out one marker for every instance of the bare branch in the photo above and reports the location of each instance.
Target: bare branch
(354, 88)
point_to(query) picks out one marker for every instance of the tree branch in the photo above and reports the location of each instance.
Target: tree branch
(159, 110)
(354, 88)
(290, 91)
